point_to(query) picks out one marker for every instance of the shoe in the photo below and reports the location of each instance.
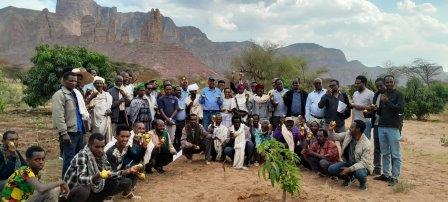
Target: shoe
(159, 169)
(148, 170)
(322, 175)
(376, 172)
(207, 162)
(382, 178)
(60, 158)
(392, 182)
(244, 168)
(347, 183)
(363, 186)
(256, 164)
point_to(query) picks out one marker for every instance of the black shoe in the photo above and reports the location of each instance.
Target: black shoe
(382, 178)
(347, 182)
(322, 175)
(148, 170)
(363, 186)
(392, 182)
(376, 172)
(159, 169)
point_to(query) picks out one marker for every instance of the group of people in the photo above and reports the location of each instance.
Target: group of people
(132, 129)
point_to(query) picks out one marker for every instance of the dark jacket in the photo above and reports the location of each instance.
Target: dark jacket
(331, 105)
(114, 92)
(288, 101)
(391, 111)
(371, 114)
(8, 165)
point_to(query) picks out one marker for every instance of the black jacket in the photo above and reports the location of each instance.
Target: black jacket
(287, 98)
(114, 92)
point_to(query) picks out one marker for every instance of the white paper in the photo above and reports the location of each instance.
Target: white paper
(179, 154)
(341, 107)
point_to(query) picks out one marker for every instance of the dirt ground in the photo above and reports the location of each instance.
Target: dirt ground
(424, 170)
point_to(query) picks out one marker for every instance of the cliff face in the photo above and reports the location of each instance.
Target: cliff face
(149, 39)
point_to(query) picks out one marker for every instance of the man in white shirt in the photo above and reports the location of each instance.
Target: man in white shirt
(362, 100)
(312, 110)
(278, 103)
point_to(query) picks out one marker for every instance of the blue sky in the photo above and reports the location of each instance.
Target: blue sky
(372, 31)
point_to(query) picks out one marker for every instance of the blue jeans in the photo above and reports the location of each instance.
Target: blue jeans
(368, 130)
(207, 120)
(70, 150)
(377, 150)
(248, 152)
(360, 175)
(390, 149)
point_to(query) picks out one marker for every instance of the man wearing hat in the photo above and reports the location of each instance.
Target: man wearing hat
(100, 103)
(192, 102)
(288, 133)
(211, 101)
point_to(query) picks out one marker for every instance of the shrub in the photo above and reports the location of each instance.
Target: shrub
(50, 62)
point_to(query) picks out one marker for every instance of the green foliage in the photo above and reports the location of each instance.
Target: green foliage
(9, 92)
(423, 100)
(50, 62)
(280, 166)
(261, 64)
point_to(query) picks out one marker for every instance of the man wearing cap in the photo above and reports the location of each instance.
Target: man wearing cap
(67, 118)
(192, 102)
(211, 101)
(99, 103)
(278, 103)
(288, 133)
(260, 103)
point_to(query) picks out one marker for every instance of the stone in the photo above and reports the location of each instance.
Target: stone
(100, 33)
(45, 27)
(87, 29)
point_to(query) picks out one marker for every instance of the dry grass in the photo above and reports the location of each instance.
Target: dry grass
(403, 186)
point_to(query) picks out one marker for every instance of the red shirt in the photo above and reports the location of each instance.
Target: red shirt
(329, 148)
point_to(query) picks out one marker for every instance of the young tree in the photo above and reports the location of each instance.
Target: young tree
(50, 62)
(280, 166)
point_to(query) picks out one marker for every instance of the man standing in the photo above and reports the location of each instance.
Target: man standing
(10, 157)
(278, 103)
(120, 100)
(67, 118)
(391, 107)
(195, 139)
(184, 88)
(295, 100)
(337, 106)
(168, 106)
(192, 102)
(362, 100)
(99, 103)
(261, 103)
(181, 116)
(357, 155)
(211, 101)
(312, 110)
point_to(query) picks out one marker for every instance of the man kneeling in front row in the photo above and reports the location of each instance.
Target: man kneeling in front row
(357, 155)
(89, 175)
(196, 139)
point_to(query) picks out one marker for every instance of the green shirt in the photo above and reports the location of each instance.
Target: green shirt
(17, 187)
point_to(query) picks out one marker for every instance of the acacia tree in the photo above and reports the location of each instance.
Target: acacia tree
(261, 63)
(425, 70)
(280, 167)
(50, 62)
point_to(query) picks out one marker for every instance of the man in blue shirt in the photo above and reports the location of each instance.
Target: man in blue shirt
(184, 88)
(168, 105)
(211, 101)
(295, 100)
(180, 117)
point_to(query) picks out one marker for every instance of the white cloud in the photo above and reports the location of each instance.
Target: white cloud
(223, 22)
(408, 6)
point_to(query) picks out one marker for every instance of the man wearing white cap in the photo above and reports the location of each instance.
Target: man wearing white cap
(99, 103)
(192, 101)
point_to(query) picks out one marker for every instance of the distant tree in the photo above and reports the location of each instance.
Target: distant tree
(421, 100)
(50, 62)
(424, 70)
(261, 63)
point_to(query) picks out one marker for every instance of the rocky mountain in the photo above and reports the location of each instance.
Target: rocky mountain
(149, 39)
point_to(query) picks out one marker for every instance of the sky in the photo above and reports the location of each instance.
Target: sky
(371, 31)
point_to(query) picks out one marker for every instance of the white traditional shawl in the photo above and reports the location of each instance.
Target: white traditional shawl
(287, 135)
(240, 144)
(221, 133)
(82, 106)
(100, 122)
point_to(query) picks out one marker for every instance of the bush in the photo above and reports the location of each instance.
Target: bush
(423, 100)
(50, 62)
(9, 92)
